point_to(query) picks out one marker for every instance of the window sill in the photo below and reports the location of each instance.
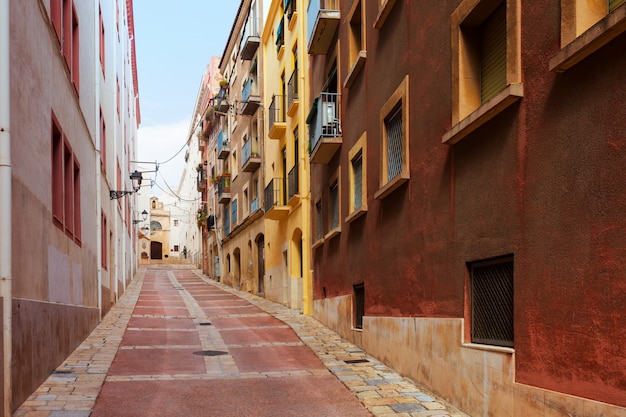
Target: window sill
(355, 70)
(590, 41)
(292, 20)
(335, 232)
(356, 214)
(383, 13)
(318, 243)
(511, 94)
(357, 329)
(392, 185)
(488, 348)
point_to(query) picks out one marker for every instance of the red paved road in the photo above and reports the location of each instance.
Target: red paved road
(193, 349)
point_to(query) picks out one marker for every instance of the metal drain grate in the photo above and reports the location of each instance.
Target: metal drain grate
(210, 353)
(356, 361)
(205, 324)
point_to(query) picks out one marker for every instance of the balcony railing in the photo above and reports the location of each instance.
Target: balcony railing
(324, 127)
(254, 205)
(275, 208)
(250, 156)
(251, 37)
(223, 146)
(223, 188)
(292, 91)
(322, 20)
(277, 117)
(293, 183)
(202, 179)
(250, 98)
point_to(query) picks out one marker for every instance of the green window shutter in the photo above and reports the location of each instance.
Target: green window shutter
(493, 54)
(614, 4)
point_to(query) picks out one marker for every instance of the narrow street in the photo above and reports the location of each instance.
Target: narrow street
(178, 344)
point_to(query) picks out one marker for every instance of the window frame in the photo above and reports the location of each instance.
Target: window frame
(468, 113)
(359, 148)
(358, 306)
(597, 28)
(357, 54)
(400, 97)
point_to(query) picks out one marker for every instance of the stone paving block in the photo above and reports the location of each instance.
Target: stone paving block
(407, 408)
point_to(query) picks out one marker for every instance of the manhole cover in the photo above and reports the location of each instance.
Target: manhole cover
(210, 353)
(356, 361)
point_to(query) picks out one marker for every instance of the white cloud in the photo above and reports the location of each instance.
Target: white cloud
(160, 143)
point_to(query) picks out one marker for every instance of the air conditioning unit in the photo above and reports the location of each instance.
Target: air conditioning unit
(328, 113)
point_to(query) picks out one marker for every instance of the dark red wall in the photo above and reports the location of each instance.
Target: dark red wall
(545, 181)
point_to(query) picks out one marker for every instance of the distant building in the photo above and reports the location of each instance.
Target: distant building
(70, 111)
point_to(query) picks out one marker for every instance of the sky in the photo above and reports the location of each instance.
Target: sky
(174, 43)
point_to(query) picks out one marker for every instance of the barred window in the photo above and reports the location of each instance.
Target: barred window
(393, 125)
(334, 205)
(357, 170)
(492, 301)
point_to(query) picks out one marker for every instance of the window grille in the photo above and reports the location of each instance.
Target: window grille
(393, 126)
(334, 205)
(492, 301)
(318, 211)
(359, 305)
(357, 171)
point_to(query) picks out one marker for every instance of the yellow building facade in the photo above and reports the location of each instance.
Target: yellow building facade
(286, 159)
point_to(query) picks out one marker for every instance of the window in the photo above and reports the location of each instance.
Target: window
(334, 207)
(486, 63)
(384, 8)
(175, 222)
(356, 42)
(395, 141)
(319, 225)
(103, 143)
(586, 26)
(102, 37)
(65, 173)
(104, 242)
(358, 306)
(357, 178)
(175, 248)
(491, 294)
(65, 22)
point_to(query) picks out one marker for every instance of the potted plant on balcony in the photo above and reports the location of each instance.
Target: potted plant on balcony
(201, 218)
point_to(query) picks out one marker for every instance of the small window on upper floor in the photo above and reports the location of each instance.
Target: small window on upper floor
(334, 207)
(486, 63)
(356, 45)
(394, 152)
(357, 169)
(586, 26)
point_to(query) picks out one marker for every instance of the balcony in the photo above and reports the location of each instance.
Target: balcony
(250, 100)
(275, 208)
(201, 179)
(223, 189)
(293, 186)
(221, 100)
(277, 117)
(254, 205)
(292, 93)
(324, 128)
(323, 21)
(250, 156)
(223, 146)
(251, 39)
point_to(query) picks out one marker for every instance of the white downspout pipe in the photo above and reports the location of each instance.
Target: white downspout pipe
(98, 142)
(5, 203)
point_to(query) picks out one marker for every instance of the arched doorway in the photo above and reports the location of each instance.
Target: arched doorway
(237, 269)
(260, 244)
(156, 250)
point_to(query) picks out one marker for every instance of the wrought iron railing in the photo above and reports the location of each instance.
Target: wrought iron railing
(292, 182)
(292, 88)
(274, 194)
(277, 110)
(324, 118)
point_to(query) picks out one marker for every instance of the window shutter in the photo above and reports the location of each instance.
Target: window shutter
(614, 4)
(493, 56)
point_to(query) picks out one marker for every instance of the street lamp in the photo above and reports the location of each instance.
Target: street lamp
(144, 214)
(135, 178)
